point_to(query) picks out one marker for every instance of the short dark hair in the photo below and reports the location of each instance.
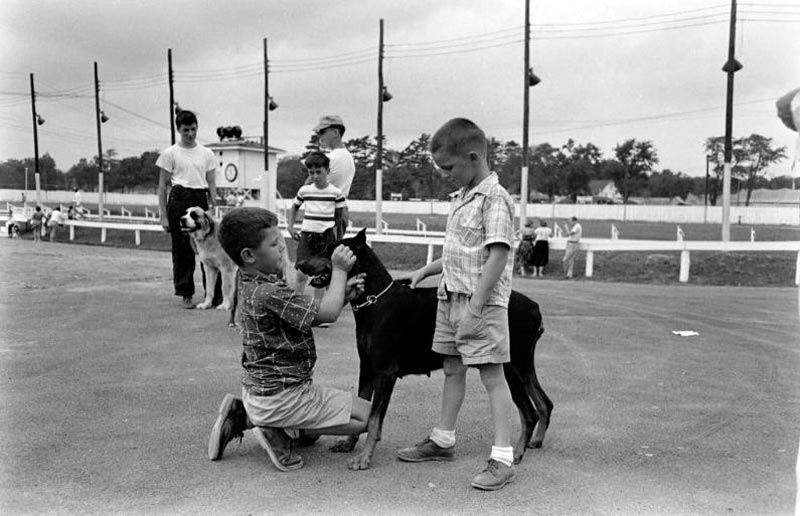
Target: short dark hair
(317, 159)
(459, 137)
(243, 228)
(185, 117)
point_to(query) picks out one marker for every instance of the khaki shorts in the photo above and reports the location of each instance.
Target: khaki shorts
(477, 339)
(304, 406)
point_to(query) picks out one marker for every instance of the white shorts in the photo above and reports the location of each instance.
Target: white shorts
(304, 406)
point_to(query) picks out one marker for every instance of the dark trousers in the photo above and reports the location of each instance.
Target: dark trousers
(183, 258)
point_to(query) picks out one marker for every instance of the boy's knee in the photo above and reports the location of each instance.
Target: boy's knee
(453, 366)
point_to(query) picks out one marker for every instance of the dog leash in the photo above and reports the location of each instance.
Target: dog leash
(372, 299)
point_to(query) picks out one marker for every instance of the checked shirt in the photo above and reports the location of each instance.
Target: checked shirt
(478, 217)
(275, 323)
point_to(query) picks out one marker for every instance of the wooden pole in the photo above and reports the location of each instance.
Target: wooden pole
(35, 130)
(171, 80)
(726, 178)
(99, 142)
(379, 151)
(523, 193)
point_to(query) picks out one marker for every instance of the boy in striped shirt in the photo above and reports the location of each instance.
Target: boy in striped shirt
(324, 207)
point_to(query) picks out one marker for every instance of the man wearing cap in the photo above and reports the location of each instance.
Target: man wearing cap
(330, 130)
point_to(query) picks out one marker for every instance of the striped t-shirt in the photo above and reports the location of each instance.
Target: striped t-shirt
(320, 206)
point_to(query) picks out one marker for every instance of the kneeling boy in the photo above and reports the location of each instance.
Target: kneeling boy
(279, 353)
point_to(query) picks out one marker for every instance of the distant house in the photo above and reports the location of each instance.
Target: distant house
(604, 190)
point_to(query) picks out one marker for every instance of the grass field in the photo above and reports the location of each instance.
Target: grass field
(707, 268)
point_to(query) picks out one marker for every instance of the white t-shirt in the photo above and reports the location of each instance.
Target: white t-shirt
(320, 206)
(542, 233)
(342, 169)
(187, 167)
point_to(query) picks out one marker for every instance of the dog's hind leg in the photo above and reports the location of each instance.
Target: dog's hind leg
(544, 409)
(228, 288)
(384, 385)
(526, 409)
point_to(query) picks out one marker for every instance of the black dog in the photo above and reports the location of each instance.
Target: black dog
(394, 334)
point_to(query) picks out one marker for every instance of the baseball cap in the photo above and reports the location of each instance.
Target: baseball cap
(327, 121)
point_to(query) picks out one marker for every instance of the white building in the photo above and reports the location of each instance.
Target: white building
(240, 167)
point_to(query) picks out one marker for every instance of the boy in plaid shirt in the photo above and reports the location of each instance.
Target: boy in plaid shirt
(472, 317)
(279, 353)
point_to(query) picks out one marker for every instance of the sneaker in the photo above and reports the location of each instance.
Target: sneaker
(494, 477)
(425, 451)
(230, 425)
(279, 447)
(187, 303)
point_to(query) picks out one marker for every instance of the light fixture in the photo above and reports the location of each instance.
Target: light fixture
(385, 95)
(103, 117)
(272, 104)
(533, 79)
(177, 108)
(732, 65)
(39, 120)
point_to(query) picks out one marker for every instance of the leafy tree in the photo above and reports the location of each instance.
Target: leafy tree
(667, 183)
(756, 155)
(637, 159)
(363, 150)
(292, 174)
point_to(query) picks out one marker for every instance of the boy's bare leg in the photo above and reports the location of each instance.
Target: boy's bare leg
(455, 383)
(359, 415)
(500, 402)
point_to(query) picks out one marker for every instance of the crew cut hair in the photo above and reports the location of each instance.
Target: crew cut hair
(185, 117)
(243, 228)
(459, 137)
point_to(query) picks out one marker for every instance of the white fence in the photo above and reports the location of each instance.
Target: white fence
(589, 245)
(752, 215)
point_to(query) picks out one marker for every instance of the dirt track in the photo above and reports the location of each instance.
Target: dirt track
(109, 390)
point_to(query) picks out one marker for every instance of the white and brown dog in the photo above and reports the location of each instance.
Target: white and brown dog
(202, 230)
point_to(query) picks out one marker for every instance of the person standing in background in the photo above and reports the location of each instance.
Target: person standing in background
(573, 241)
(330, 131)
(186, 180)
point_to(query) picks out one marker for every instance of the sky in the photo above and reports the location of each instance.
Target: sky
(610, 71)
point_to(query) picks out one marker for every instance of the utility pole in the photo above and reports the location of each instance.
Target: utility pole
(731, 67)
(36, 123)
(171, 80)
(379, 152)
(705, 194)
(523, 189)
(269, 182)
(99, 143)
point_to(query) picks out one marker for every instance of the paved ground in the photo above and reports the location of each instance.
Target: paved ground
(109, 391)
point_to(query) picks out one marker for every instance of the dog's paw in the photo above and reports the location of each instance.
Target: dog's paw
(224, 306)
(205, 305)
(359, 463)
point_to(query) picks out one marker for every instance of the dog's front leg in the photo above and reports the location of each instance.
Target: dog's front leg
(211, 284)
(384, 384)
(365, 388)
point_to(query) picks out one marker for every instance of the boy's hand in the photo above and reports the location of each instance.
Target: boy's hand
(294, 234)
(165, 224)
(413, 278)
(343, 258)
(354, 287)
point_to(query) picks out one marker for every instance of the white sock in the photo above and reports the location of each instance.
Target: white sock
(443, 438)
(504, 454)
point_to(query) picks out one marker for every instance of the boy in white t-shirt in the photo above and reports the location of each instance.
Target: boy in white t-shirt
(324, 205)
(186, 180)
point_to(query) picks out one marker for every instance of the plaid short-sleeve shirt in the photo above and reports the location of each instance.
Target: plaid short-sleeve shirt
(275, 323)
(478, 218)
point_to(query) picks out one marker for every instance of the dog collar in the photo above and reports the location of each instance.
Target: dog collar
(372, 299)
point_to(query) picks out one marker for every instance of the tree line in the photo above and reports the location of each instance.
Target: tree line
(555, 173)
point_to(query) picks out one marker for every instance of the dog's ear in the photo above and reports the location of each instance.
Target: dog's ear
(361, 238)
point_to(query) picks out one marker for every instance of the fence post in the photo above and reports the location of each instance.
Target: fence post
(797, 270)
(752, 234)
(680, 234)
(429, 259)
(71, 232)
(103, 236)
(589, 262)
(138, 238)
(683, 276)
